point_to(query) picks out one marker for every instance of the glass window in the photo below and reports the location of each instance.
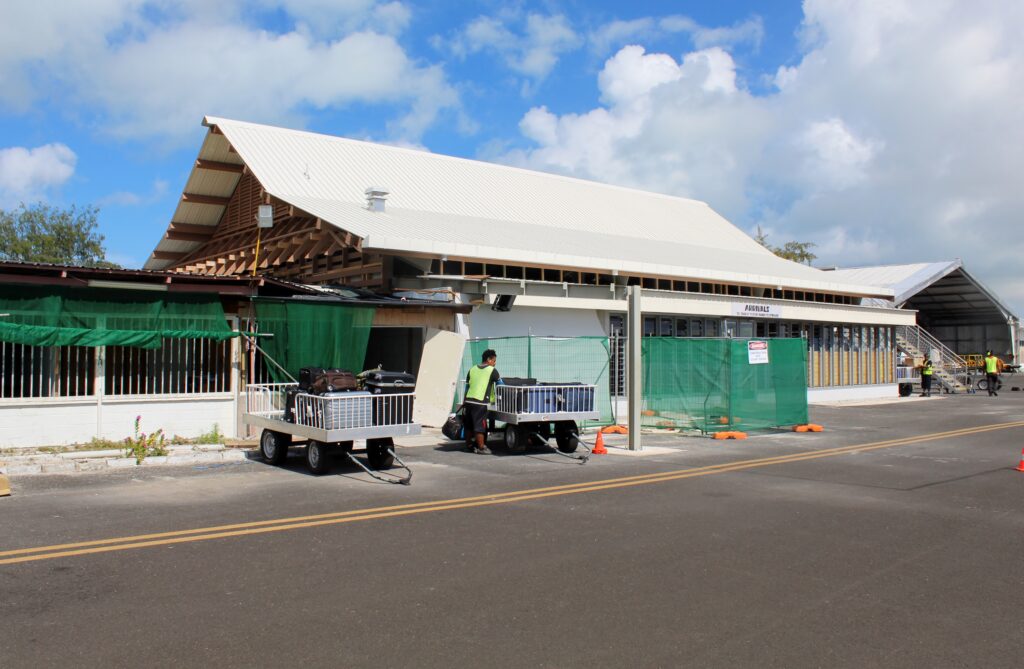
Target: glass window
(665, 327)
(711, 328)
(650, 326)
(682, 327)
(747, 329)
(729, 328)
(696, 328)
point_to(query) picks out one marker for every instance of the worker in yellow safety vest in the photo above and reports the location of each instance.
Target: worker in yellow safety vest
(479, 393)
(992, 366)
(926, 377)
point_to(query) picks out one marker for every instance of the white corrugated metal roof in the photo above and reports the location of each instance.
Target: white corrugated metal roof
(454, 206)
(904, 280)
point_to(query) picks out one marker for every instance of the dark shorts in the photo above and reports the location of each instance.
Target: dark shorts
(475, 419)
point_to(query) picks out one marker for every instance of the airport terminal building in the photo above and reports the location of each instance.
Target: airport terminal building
(531, 253)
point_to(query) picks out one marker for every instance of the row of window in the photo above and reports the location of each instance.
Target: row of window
(479, 269)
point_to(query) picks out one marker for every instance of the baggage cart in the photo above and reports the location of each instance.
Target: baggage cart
(330, 422)
(543, 410)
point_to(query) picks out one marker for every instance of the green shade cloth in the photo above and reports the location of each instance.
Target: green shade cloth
(549, 359)
(711, 385)
(313, 334)
(61, 316)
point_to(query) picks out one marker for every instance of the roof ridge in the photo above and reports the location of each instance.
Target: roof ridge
(217, 121)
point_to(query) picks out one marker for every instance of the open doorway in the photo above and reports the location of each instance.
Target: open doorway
(395, 349)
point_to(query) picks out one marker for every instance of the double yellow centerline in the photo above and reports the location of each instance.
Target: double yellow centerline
(302, 522)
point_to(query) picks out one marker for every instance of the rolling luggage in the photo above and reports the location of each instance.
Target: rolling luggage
(289, 403)
(390, 410)
(573, 396)
(317, 380)
(347, 409)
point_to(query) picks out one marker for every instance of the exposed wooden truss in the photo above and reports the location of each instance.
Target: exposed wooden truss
(300, 246)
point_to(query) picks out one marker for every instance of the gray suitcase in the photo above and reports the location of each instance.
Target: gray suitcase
(345, 410)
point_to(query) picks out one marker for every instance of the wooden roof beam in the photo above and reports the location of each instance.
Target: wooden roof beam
(192, 228)
(169, 255)
(197, 198)
(217, 166)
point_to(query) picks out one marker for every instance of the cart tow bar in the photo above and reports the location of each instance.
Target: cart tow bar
(389, 478)
(582, 459)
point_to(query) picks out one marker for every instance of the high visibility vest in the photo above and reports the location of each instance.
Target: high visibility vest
(991, 364)
(480, 383)
(927, 371)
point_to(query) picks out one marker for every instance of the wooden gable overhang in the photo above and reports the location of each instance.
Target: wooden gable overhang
(214, 231)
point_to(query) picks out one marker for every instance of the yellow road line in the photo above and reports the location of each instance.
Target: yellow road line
(300, 522)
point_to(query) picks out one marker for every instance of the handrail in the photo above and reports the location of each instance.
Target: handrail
(951, 369)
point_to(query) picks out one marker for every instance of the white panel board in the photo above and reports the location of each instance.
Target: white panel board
(437, 376)
(538, 321)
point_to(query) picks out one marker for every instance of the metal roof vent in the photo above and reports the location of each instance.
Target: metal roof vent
(375, 197)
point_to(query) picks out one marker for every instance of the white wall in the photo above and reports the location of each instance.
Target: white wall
(842, 393)
(45, 422)
(540, 321)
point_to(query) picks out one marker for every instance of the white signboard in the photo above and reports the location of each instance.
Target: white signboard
(750, 310)
(757, 352)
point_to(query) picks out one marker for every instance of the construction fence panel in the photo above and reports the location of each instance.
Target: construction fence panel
(724, 384)
(549, 360)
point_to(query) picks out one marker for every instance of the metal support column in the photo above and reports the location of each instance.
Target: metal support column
(634, 390)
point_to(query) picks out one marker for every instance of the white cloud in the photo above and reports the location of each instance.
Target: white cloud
(615, 34)
(153, 69)
(834, 158)
(529, 45)
(27, 174)
(133, 199)
(895, 138)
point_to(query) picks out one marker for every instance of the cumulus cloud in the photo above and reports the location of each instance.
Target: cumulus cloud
(895, 138)
(27, 174)
(530, 45)
(649, 29)
(152, 69)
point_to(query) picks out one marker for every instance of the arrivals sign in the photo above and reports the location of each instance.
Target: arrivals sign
(757, 352)
(751, 310)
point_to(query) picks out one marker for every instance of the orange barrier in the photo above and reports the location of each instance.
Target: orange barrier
(809, 427)
(614, 429)
(599, 448)
(730, 435)
(1020, 467)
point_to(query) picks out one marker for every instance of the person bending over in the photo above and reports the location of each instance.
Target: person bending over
(480, 392)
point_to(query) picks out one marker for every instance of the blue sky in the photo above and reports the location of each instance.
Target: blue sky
(882, 131)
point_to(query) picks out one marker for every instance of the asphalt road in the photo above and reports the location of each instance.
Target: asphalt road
(786, 550)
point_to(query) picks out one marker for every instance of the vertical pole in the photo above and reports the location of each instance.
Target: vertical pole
(634, 334)
(235, 381)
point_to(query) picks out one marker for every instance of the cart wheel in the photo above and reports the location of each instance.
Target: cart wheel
(377, 452)
(565, 436)
(515, 439)
(274, 446)
(317, 458)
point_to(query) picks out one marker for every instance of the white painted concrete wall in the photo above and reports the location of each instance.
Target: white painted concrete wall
(841, 393)
(539, 321)
(47, 422)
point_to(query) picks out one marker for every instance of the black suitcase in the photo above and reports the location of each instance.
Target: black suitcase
(390, 410)
(518, 381)
(307, 375)
(289, 403)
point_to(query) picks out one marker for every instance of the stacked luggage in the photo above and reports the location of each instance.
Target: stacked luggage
(390, 410)
(349, 400)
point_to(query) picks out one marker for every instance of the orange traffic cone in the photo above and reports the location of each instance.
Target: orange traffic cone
(1020, 467)
(599, 448)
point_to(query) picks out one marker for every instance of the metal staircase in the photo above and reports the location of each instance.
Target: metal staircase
(951, 371)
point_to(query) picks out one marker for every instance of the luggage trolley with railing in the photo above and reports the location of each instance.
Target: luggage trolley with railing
(540, 411)
(330, 422)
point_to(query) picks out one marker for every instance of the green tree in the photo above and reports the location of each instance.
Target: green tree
(796, 251)
(42, 233)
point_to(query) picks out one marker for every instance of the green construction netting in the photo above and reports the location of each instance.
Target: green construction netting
(549, 359)
(724, 384)
(61, 316)
(312, 334)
